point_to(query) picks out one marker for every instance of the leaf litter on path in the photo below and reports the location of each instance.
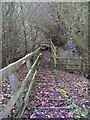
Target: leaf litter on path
(54, 86)
(51, 91)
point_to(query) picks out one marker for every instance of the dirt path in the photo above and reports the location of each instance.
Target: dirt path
(56, 93)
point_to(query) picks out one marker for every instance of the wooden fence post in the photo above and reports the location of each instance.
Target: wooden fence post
(53, 48)
(82, 67)
(13, 78)
(28, 64)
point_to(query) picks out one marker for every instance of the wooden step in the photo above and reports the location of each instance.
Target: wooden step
(61, 108)
(61, 100)
(57, 81)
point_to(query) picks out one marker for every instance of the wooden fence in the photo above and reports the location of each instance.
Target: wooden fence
(75, 64)
(10, 73)
(54, 54)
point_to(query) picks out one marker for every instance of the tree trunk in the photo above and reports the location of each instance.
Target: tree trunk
(24, 30)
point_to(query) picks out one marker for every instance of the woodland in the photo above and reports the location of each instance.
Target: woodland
(45, 69)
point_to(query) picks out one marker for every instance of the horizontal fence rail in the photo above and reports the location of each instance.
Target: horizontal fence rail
(45, 44)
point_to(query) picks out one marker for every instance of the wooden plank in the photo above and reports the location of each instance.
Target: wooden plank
(13, 81)
(68, 107)
(27, 95)
(69, 69)
(51, 99)
(69, 58)
(82, 66)
(70, 64)
(44, 44)
(52, 45)
(12, 67)
(28, 64)
(4, 113)
(54, 54)
(13, 78)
